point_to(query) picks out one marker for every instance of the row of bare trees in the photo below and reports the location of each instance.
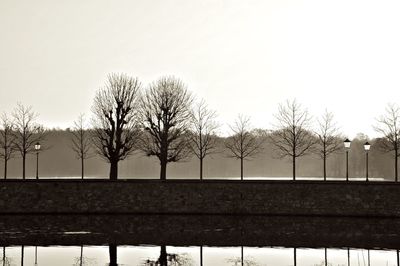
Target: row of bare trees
(165, 120)
(19, 134)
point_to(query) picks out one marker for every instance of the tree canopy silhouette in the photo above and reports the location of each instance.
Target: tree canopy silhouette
(388, 125)
(203, 127)
(292, 137)
(7, 141)
(81, 142)
(328, 138)
(115, 119)
(165, 116)
(28, 132)
(243, 144)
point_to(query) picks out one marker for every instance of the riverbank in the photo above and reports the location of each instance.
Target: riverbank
(303, 198)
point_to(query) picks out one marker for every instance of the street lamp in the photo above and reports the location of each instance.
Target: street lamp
(347, 144)
(37, 149)
(367, 146)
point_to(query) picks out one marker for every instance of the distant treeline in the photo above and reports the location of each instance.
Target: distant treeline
(59, 160)
(134, 129)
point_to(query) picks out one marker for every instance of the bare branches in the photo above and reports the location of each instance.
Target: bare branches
(328, 136)
(243, 144)
(80, 141)
(292, 138)
(388, 125)
(202, 135)
(115, 119)
(165, 115)
(7, 137)
(7, 140)
(27, 131)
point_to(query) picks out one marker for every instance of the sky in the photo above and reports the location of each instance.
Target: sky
(240, 56)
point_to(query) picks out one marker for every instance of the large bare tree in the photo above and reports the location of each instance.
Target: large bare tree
(328, 141)
(243, 144)
(7, 139)
(81, 142)
(203, 129)
(292, 137)
(165, 114)
(28, 132)
(115, 120)
(388, 125)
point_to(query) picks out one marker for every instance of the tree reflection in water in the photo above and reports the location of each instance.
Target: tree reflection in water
(170, 259)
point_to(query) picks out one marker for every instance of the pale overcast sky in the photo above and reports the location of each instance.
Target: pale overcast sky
(240, 56)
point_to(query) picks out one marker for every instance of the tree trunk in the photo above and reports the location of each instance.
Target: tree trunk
(241, 168)
(5, 169)
(395, 164)
(82, 167)
(4, 255)
(22, 255)
(348, 256)
(241, 255)
(324, 167)
(163, 256)
(201, 255)
(163, 170)
(294, 257)
(23, 165)
(81, 260)
(114, 170)
(201, 168)
(294, 167)
(113, 254)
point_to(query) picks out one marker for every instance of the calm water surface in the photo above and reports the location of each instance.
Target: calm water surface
(224, 256)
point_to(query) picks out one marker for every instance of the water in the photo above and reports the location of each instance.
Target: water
(219, 256)
(214, 240)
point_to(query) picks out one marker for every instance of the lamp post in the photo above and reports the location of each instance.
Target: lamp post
(367, 146)
(347, 144)
(37, 149)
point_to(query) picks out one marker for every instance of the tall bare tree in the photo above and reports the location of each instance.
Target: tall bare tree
(203, 139)
(81, 142)
(165, 114)
(292, 137)
(28, 132)
(328, 138)
(115, 120)
(388, 125)
(7, 139)
(243, 144)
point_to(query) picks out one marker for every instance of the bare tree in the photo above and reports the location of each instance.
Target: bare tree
(165, 114)
(203, 139)
(243, 144)
(328, 138)
(27, 131)
(6, 261)
(115, 120)
(292, 138)
(81, 142)
(388, 125)
(7, 139)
